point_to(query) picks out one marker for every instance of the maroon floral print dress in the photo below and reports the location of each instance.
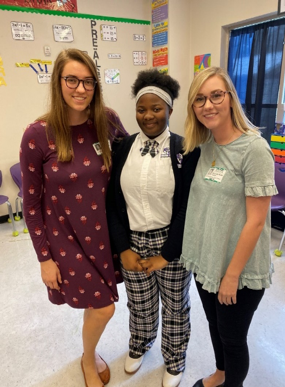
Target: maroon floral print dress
(64, 207)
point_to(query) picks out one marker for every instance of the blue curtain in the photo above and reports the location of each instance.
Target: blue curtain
(254, 65)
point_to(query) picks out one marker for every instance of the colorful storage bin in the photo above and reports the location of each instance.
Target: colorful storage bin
(278, 148)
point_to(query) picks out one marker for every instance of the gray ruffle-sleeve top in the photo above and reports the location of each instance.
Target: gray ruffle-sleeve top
(216, 212)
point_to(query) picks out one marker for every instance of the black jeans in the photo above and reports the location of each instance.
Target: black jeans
(228, 329)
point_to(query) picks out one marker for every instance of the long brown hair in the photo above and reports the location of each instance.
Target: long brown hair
(57, 118)
(195, 132)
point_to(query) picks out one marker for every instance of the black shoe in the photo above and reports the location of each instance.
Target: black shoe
(199, 383)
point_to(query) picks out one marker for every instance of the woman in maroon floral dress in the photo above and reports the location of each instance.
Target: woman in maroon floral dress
(66, 160)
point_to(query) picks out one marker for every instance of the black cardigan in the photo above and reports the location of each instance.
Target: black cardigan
(117, 216)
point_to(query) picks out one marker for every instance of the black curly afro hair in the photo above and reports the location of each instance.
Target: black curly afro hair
(153, 77)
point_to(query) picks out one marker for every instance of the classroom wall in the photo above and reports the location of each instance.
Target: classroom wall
(133, 9)
(210, 21)
(201, 27)
(119, 98)
(179, 60)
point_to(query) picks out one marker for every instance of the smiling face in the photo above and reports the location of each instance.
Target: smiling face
(152, 115)
(77, 99)
(216, 118)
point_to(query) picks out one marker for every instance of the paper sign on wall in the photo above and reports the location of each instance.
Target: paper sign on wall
(114, 56)
(44, 78)
(62, 33)
(22, 31)
(139, 37)
(108, 33)
(139, 58)
(112, 76)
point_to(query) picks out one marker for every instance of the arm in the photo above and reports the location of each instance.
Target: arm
(153, 263)
(256, 211)
(117, 129)
(118, 223)
(50, 274)
(130, 260)
(258, 173)
(31, 159)
(173, 245)
(117, 214)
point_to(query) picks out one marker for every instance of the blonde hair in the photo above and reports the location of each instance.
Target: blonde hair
(195, 132)
(57, 118)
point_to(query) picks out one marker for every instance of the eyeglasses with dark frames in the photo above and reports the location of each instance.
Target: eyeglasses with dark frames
(216, 98)
(73, 82)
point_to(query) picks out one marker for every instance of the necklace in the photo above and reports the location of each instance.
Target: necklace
(214, 156)
(214, 145)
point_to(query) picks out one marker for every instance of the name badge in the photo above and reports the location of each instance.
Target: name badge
(98, 149)
(215, 174)
(165, 153)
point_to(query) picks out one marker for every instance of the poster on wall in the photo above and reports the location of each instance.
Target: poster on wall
(54, 5)
(160, 57)
(159, 10)
(160, 34)
(201, 62)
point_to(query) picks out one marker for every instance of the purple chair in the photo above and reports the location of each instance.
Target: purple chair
(5, 199)
(15, 171)
(278, 201)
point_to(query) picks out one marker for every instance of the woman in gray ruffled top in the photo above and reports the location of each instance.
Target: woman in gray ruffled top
(227, 230)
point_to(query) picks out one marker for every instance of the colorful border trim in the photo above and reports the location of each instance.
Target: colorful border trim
(71, 14)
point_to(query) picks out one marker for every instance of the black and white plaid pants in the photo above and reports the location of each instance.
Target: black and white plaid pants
(172, 284)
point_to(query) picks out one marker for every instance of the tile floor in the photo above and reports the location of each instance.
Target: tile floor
(41, 343)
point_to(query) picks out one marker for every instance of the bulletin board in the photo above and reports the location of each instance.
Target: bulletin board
(30, 41)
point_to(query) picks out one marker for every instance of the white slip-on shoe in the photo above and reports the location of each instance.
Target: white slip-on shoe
(171, 380)
(132, 365)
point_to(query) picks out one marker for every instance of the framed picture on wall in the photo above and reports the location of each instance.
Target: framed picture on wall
(281, 6)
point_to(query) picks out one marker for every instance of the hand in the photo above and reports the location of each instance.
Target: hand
(228, 290)
(50, 274)
(130, 260)
(153, 263)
